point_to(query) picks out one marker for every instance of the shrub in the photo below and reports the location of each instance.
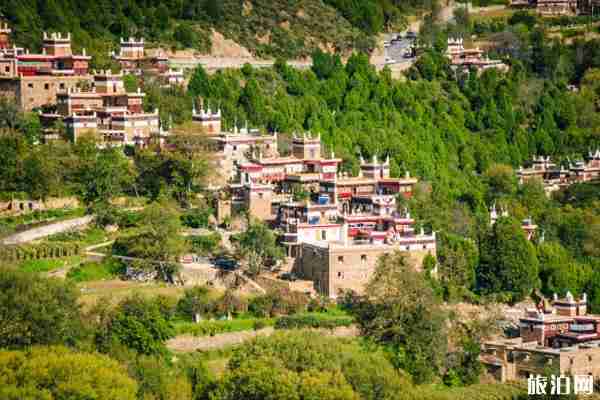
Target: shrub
(206, 244)
(196, 217)
(259, 324)
(195, 300)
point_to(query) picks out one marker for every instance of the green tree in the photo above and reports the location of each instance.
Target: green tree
(258, 246)
(61, 374)
(37, 310)
(185, 34)
(400, 311)
(195, 301)
(139, 324)
(508, 261)
(458, 258)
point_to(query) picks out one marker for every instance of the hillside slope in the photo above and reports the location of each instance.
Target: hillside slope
(288, 28)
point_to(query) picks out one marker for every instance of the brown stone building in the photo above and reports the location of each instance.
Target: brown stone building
(560, 337)
(349, 264)
(554, 177)
(34, 80)
(106, 111)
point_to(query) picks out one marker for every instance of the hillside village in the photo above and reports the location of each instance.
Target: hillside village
(343, 225)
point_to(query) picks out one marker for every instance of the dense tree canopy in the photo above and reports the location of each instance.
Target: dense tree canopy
(401, 311)
(57, 373)
(37, 311)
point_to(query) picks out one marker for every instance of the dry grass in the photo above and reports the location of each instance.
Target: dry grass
(117, 290)
(493, 13)
(217, 366)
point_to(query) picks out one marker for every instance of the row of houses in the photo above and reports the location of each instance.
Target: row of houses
(555, 177)
(33, 80)
(558, 7)
(556, 337)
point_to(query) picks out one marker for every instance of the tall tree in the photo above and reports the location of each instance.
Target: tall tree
(508, 261)
(400, 311)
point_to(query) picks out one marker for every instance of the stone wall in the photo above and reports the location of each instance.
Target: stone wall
(24, 206)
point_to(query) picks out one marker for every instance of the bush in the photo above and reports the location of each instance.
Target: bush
(312, 321)
(278, 302)
(195, 300)
(206, 244)
(197, 217)
(259, 324)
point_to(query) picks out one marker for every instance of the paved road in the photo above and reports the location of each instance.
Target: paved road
(47, 230)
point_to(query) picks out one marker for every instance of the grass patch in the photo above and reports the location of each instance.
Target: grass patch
(313, 320)
(117, 290)
(211, 328)
(41, 265)
(95, 271)
(87, 236)
(48, 264)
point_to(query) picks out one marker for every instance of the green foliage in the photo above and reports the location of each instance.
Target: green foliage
(400, 311)
(292, 29)
(42, 265)
(205, 244)
(312, 320)
(259, 245)
(277, 302)
(158, 241)
(215, 327)
(196, 300)
(139, 324)
(61, 374)
(307, 365)
(509, 263)
(458, 259)
(36, 310)
(197, 217)
(95, 271)
(39, 251)
(159, 380)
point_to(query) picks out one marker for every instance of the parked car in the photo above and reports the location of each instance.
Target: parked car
(226, 263)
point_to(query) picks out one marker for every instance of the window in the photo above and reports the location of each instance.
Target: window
(46, 86)
(323, 235)
(363, 258)
(6, 69)
(30, 85)
(340, 275)
(61, 85)
(424, 246)
(341, 259)
(260, 195)
(234, 148)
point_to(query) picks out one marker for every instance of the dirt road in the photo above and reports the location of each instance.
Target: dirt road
(47, 230)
